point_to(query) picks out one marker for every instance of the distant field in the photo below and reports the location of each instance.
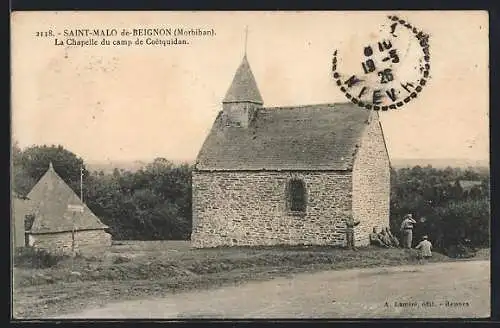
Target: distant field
(440, 163)
(138, 269)
(133, 166)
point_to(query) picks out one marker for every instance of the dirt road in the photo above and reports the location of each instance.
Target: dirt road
(446, 290)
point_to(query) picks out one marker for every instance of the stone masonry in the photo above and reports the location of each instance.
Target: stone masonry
(250, 208)
(85, 241)
(239, 114)
(371, 184)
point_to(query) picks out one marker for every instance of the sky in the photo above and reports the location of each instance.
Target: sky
(119, 103)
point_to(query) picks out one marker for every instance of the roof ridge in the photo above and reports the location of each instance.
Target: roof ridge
(320, 105)
(299, 106)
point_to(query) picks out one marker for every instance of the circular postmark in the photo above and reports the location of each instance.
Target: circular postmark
(390, 70)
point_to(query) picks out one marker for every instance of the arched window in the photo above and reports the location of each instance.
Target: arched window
(297, 195)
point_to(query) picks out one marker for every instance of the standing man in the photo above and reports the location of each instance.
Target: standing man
(407, 230)
(349, 231)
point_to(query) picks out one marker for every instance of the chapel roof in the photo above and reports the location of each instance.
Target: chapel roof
(312, 137)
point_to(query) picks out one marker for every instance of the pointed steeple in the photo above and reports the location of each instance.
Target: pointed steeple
(244, 87)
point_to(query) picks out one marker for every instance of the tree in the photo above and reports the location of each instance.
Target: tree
(34, 161)
(451, 214)
(152, 203)
(15, 152)
(21, 182)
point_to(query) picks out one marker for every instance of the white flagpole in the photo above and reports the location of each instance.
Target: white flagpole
(81, 183)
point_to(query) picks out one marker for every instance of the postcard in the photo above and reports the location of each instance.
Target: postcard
(270, 164)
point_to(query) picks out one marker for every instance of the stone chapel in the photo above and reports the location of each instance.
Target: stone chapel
(288, 175)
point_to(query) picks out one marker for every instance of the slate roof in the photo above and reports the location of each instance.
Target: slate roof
(51, 197)
(244, 87)
(315, 137)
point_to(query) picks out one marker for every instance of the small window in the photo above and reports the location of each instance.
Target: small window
(28, 221)
(297, 195)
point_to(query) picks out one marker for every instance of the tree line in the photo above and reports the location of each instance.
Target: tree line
(154, 203)
(447, 212)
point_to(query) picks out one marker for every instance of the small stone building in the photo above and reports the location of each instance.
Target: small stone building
(60, 222)
(21, 207)
(288, 175)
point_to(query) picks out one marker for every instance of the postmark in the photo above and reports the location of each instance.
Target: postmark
(392, 70)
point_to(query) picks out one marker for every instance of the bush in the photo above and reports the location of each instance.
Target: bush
(29, 257)
(456, 221)
(460, 251)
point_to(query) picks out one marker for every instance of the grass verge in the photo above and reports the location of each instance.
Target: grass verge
(139, 272)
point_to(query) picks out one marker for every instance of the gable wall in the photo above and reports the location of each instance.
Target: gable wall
(17, 215)
(371, 183)
(250, 208)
